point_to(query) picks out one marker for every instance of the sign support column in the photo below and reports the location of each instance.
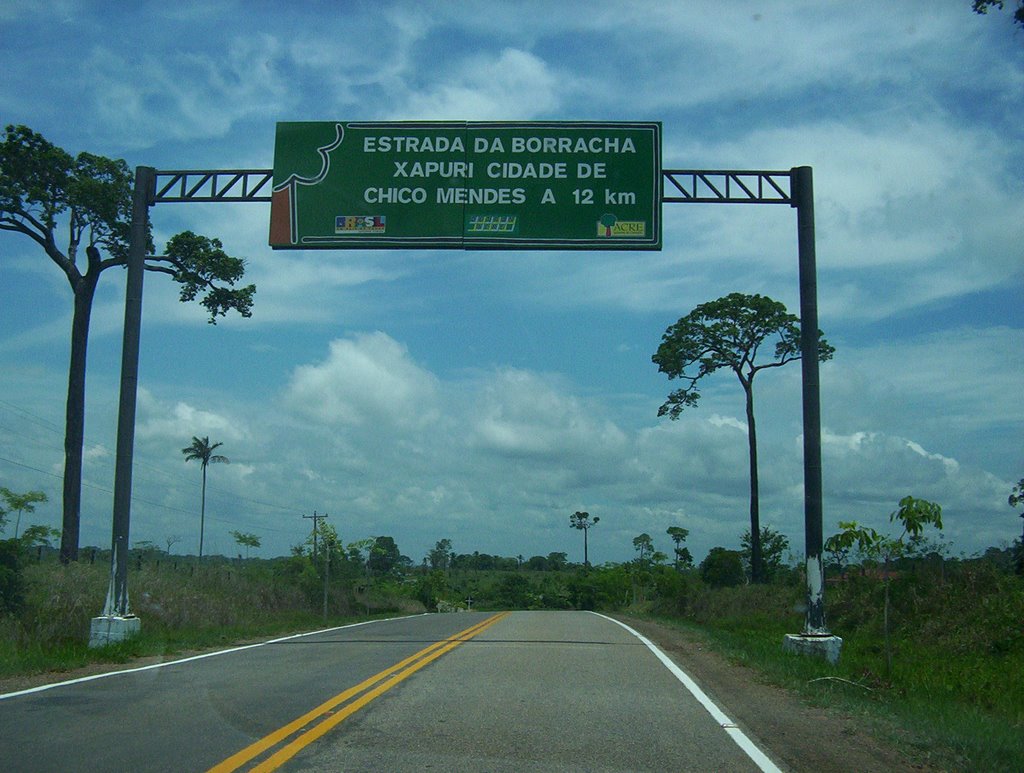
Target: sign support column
(117, 622)
(815, 638)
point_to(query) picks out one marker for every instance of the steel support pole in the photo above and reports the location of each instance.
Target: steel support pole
(802, 192)
(142, 196)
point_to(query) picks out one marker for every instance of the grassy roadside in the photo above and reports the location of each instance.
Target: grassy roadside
(183, 609)
(953, 701)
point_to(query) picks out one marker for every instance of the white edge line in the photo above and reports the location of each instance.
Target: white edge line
(43, 687)
(738, 736)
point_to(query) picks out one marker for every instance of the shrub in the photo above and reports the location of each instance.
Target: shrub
(12, 581)
(675, 592)
(722, 568)
(514, 592)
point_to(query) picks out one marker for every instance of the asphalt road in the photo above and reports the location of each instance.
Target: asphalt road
(460, 692)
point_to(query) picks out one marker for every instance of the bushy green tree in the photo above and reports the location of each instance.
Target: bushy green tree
(641, 566)
(246, 540)
(384, 557)
(536, 564)
(20, 503)
(774, 548)
(432, 587)
(722, 568)
(557, 561)
(606, 587)
(440, 556)
(37, 535)
(513, 592)
(644, 547)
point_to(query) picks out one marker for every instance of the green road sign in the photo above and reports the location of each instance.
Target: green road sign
(556, 185)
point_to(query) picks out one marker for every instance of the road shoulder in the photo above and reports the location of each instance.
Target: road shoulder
(798, 736)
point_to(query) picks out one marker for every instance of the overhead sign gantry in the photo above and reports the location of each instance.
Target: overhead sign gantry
(516, 186)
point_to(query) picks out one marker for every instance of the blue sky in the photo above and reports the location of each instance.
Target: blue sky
(485, 396)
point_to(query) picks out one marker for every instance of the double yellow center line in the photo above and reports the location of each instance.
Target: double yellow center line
(298, 734)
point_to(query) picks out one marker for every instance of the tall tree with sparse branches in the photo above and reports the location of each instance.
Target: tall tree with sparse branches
(683, 558)
(201, 451)
(581, 520)
(732, 332)
(70, 205)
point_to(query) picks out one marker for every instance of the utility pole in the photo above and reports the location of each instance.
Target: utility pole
(327, 576)
(316, 523)
(327, 553)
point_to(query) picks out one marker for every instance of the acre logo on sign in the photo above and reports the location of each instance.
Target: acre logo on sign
(609, 226)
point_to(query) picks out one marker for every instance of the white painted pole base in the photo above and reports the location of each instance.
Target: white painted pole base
(827, 647)
(110, 630)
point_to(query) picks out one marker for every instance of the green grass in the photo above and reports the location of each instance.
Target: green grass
(182, 610)
(153, 640)
(955, 696)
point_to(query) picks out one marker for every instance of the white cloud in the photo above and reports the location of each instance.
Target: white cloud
(951, 465)
(160, 421)
(368, 380)
(95, 452)
(933, 387)
(514, 83)
(521, 414)
(866, 474)
(186, 94)
(727, 421)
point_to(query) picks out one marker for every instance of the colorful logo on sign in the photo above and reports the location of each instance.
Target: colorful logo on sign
(609, 226)
(360, 224)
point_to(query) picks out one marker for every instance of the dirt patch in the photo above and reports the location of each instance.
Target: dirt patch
(797, 736)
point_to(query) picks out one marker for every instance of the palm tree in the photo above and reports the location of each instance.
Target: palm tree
(201, 451)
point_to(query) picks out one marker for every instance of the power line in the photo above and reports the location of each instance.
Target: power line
(135, 498)
(34, 469)
(178, 479)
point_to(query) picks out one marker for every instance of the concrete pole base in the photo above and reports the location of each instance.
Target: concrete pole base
(827, 646)
(110, 630)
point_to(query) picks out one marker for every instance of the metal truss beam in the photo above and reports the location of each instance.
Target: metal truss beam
(726, 187)
(696, 186)
(213, 185)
